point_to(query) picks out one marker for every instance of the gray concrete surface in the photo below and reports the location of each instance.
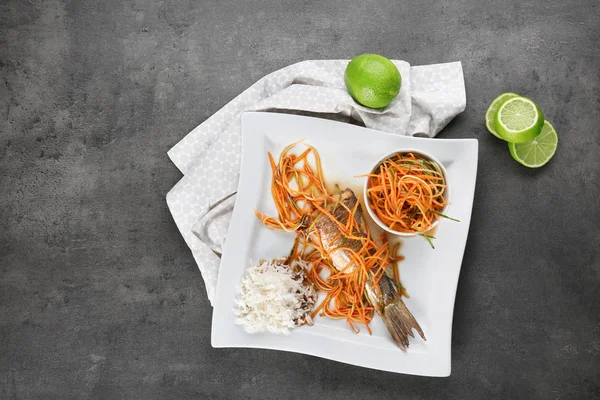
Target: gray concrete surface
(99, 296)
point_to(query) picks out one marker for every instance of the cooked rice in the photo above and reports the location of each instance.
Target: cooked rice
(275, 297)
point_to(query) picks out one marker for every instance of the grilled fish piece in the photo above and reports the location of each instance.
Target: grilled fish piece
(383, 295)
(325, 231)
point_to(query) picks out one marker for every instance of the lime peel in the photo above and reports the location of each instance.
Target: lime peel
(490, 114)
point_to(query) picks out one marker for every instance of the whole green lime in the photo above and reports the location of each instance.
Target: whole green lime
(372, 80)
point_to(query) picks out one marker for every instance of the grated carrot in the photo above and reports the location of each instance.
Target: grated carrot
(407, 192)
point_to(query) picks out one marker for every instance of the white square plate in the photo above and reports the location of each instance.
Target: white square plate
(430, 275)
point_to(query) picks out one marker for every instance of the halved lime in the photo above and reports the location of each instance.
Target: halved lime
(537, 152)
(490, 114)
(518, 120)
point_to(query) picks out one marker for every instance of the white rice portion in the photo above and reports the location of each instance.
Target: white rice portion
(275, 297)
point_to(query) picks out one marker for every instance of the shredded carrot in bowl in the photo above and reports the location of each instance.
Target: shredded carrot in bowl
(407, 192)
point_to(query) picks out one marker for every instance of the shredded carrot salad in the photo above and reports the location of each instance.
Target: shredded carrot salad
(407, 193)
(298, 191)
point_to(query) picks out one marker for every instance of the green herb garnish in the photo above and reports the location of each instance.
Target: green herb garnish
(428, 238)
(443, 215)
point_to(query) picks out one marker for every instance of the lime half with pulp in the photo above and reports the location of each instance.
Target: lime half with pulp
(537, 152)
(490, 114)
(518, 120)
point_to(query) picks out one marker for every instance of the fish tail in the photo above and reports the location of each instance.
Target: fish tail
(397, 318)
(400, 322)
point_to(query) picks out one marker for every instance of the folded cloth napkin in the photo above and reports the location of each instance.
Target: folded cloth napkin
(209, 157)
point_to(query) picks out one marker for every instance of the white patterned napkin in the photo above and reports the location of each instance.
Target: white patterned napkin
(209, 156)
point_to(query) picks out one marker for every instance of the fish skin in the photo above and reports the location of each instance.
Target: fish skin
(324, 231)
(383, 295)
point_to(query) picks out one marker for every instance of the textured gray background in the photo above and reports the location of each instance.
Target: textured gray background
(99, 296)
